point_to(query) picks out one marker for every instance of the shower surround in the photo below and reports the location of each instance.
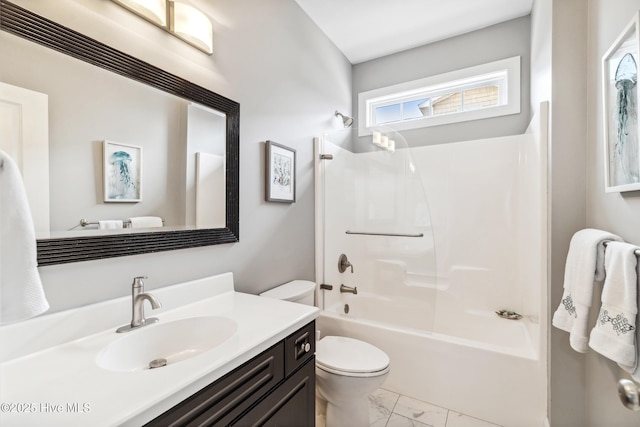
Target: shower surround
(429, 302)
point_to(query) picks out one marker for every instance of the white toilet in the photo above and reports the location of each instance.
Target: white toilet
(347, 370)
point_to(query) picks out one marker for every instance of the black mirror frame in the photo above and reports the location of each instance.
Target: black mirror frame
(30, 26)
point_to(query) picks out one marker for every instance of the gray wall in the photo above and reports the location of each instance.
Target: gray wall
(569, 38)
(489, 44)
(288, 78)
(616, 212)
(566, 31)
(541, 91)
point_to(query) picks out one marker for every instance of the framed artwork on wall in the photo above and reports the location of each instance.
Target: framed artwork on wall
(122, 172)
(280, 173)
(620, 124)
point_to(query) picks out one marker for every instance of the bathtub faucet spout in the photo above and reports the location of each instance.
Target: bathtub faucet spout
(349, 289)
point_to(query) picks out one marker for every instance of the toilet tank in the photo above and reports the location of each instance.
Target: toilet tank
(300, 291)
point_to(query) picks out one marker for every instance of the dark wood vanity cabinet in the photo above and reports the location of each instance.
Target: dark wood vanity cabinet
(275, 388)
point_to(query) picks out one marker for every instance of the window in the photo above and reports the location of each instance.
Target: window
(483, 91)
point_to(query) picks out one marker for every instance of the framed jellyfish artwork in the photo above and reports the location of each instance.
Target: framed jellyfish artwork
(122, 172)
(280, 173)
(620, 97)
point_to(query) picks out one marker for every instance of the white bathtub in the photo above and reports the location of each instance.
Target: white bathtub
(495, 375)
(481, 329)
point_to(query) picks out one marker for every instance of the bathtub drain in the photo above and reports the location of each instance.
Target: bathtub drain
(346, 309)
(157, 363)
(506, 314)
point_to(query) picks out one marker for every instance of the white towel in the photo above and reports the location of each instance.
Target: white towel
(146, 221)
(21, 293)
(614, 333)
(635, 372)
(585, 264)
(110, 224)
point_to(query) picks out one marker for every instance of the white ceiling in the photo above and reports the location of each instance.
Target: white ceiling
(368, 29)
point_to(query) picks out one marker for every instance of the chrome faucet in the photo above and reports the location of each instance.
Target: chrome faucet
(349, 289)
(138, 297)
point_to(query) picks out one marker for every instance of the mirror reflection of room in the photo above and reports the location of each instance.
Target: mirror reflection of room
(177, 148)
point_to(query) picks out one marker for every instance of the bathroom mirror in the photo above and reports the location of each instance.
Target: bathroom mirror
(83, 244)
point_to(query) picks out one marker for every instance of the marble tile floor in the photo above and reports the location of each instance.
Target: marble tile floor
(389, 409)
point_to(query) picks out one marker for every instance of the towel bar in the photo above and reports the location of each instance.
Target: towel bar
(384, 234)
(637, 251)
(125, 223)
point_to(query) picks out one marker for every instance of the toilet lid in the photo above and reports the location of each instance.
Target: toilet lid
(349, 356)
(290, 291)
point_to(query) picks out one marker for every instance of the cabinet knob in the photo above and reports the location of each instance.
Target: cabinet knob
(305, 346)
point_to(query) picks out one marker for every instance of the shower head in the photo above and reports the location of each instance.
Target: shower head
(346, 120)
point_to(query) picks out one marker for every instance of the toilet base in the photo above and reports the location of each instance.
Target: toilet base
(321, 411)
(347, 398)
(353, 413)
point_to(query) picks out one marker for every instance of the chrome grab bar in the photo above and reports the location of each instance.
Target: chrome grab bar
(384, 234)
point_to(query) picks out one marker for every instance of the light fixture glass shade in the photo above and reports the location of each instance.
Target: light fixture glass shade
(192, 26)
(151, 10)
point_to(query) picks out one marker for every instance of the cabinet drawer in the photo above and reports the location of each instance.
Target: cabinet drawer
(225, 399)
(292, 404)
(299, 347)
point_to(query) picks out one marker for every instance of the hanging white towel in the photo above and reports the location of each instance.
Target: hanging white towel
(21, 293)
(110, 224)
(146, 221)
(635, 372)
(614, 333)
(585, 264)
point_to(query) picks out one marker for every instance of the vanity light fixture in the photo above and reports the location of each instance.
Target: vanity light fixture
(383, 141)
(179, 18)
(191, 25)
(154, 11)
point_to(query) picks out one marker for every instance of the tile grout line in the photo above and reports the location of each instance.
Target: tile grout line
(394, 407)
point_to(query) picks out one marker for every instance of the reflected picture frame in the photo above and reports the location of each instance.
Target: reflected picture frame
(621, 137)
(280, 173)
(122, 172)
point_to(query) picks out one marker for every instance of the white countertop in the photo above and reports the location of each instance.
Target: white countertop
(48, 379)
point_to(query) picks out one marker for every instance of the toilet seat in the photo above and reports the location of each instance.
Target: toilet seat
(350, 357)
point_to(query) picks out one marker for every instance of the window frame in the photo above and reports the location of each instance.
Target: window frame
(451, 82)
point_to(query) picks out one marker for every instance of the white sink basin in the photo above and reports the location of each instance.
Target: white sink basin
(173, 341)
